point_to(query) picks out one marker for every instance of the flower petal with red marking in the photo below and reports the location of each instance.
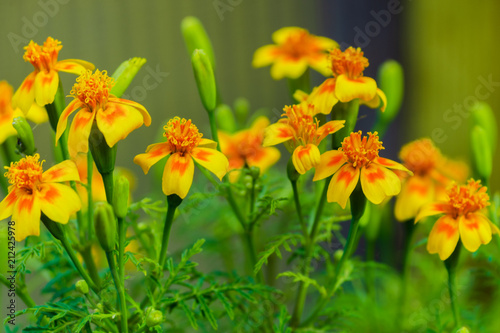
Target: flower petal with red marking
(444, 237)
(145, 115)
(342, 184)
(117, 121)
(26, 214)
(8, 203)
(329, 128)
(62, 172)
(474, 231)
(25, 94)
(281, 35)
(329, 163)
(277, 133)
(323, 97)
(288, 67)
(58, 202)
(434, 208)
(78, 139)
(264, 158)
(390, 164)
(347, 89)
(378, 183)
(63, 118)
(178, 175)
(264, 56)
(416, 192)
(46, 84)
(212, 160)
(74, 66)
(154, 153)
(305, 158)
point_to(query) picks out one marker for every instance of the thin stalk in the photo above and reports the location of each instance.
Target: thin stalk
(108, 186)
(173, 202)
(21, 292)
(451, 266)
(213, 128)
(90, 200)
(78, 265)
(298, 207)
(121, 248)
(90, 264)
(120, 290)
(248, 235)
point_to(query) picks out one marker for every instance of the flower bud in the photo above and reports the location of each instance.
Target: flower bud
(154, 317)
(225, 118)
(481, 152)
(82, 287)
(25, 135)
(337, 255)
(305, 158)
(124, 75)
(463, 330)
(196, 37)
(292, 173)
(205, 79)
(241, 110)
(105, 226)
(104, 156)
(391, 82)
(483, 115)
(255, 172)
(120, 196)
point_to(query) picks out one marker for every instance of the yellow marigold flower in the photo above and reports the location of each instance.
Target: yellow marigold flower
(294, 51)
(348, 83)
(432, 174)
(301, 134)
(462, 219)
(115, 117)
(41, 85)
(244, 148)
(184, 144)
(357, 159)
(36, 113)
(34, 191)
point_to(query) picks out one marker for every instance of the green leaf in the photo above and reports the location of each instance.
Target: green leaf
(298, 277)
(189, 314)
(273, 247)
(207, 312)
(227, 305)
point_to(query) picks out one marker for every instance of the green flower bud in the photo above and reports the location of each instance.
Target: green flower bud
(120, 196)
(124, 75)
(337, 255)
(481, 153)
(155, 317)
(463, 330)
(82, 287)
(205, 79)
(255, 172)
(292, 173)
(391, 82)
(483, 115)
(196, 37)
(56, 229)
(241, 109)
(225, 118)
(104, 156)
(105, 226)
(25, 135)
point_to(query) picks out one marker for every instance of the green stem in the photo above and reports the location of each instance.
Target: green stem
(451, 266)
(298, 207)
(252, 255)
(122, 228)
(120, 290)
(108, 186)
(90, 200)
(21, 292)
(213, 128)
(173, 201)
(86, 254)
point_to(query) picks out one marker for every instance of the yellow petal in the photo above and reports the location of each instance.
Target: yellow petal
(322, 64)
(325, 43)
(379, 182)
(8, 203)
(37, 114)
(25, 94)
(264, 158)
(207, 143)
(300, 96)
(264, 56)
(46, 84)
(281, 35)
(390, 164)
(58, 201)
(178, 175)
(6, 128)
(323, 97)
(63, 118)
(277, 133)
(342, 184)
(329, 163)
(379, 101)
(145, 115)
(347, 89)
(74, 66)
(434, 208)
(154, 153)
(259, 125)
(474, 231)
(443, 237)
(117, 121)
(416, 192)
(26, 214)
(288, 67)
(329, 128)
(305, 158)
(212, 160)
(78, 138)
(62, 172)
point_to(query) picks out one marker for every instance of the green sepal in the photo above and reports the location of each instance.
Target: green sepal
(483, 115)
(125, 73)
(105, 226)
(120, 196)
(25, 135)
(205, 79)
(482, 158)
(196, 37)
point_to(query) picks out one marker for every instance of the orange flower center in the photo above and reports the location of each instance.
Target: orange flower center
(350, 62)
(298, 45)
(182, 135)
(361, 151)
(26, 173)
(468, 198)
(43, 58)
(249, 145)
(304, 124)
(93, 90)
(420, 156)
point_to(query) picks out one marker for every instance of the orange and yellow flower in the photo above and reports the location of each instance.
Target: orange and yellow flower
(34, 192)
(432, 174)
(41, 85)
(348, 83)
(184, 144)
(36, 113)
(244, 148)
(358, 159)
(294, 52)
(462, 219)
(299, 130)
(115, 117)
